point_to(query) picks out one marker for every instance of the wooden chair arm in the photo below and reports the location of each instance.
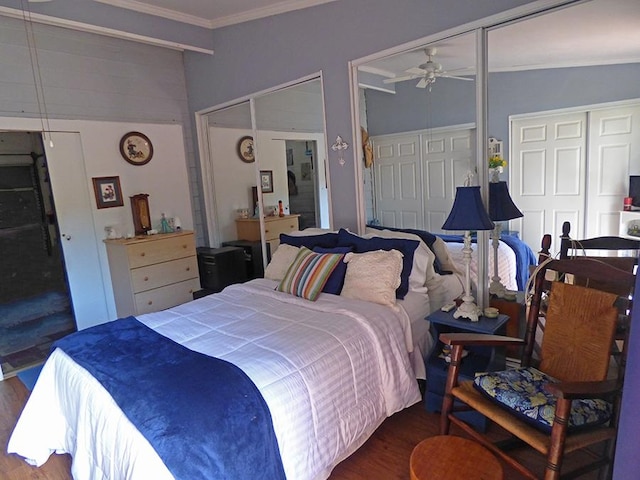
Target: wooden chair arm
(577, 390)
(480, 339)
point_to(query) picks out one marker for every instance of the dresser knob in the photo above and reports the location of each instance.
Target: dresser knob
(149, 302)
(142, 254)
(184, 246)
(188, 268)
(146, 279)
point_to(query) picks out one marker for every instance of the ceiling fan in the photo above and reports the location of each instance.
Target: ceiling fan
(427, 72)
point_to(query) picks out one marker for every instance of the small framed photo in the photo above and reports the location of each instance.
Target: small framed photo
(108, 192)
(266, 181)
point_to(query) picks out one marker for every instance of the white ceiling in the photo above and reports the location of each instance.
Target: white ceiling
(214, 13)
(598, 32)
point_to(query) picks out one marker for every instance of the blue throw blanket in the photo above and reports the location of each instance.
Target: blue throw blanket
(524, 255)
(204, 416)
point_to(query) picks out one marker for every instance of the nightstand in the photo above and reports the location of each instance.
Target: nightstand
(516, 311)
(479, 359)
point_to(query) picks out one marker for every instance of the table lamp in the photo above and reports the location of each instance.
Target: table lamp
(468, 213)
(501, 209)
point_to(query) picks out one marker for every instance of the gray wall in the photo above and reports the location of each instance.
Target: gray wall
(95, 77)
(257, 55)
(453, 102)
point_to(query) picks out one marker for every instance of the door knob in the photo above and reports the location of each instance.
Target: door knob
(66, 237)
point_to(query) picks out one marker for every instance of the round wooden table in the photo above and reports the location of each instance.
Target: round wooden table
(450, 457)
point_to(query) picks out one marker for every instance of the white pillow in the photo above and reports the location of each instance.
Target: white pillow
(373, 276)
(280, 262)
(422, 268)
(442, 252)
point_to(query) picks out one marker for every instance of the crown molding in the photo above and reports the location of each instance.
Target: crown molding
(109, 32)
(158, 12)
(254, 14)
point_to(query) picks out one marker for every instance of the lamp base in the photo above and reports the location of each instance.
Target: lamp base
(496, 288)
(468, 309)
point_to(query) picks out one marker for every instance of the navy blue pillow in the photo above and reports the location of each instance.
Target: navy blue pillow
(325, 240)
(426, 237)
(404, 246)
(336, 279)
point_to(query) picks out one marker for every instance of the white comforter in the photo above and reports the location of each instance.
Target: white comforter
(507, 266)
(331, 371)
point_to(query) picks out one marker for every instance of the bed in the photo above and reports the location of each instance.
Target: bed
(330, 367)
(514, 259)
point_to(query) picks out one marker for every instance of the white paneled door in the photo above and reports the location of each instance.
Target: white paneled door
(416, 176)
(573, 167)
(614, 154)
(447, 161)
(398, 177)
(547, 171)
(79, 244)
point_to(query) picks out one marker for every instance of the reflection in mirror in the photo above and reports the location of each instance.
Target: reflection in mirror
(419, 114)
(280, 171)
(232, 175)
(567, 109)
(291, 144)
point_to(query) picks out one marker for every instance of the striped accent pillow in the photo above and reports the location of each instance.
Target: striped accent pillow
(308, 273)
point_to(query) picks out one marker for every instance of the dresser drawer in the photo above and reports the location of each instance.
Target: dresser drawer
(161, 250)
(166, 297)
(274, 228)
(160, 274)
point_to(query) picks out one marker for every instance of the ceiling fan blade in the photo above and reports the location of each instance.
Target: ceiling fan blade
(399, 79)
(422, 83)
(455, 77)
(416, 71)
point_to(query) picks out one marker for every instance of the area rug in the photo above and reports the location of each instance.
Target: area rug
(29, 376)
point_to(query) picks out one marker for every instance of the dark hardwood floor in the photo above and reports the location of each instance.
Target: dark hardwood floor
(385, 456)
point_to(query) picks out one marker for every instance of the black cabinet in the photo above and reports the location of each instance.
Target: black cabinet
(220, 267)
(254, 267)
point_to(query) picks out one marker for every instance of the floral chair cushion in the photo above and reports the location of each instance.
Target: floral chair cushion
(521, 390)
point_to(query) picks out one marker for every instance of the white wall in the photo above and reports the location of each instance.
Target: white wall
(164, 178)
(233, 178)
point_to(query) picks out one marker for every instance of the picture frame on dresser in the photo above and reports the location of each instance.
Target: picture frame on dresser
(108, 192)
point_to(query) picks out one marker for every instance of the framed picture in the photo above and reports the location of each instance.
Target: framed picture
(289, 157)
(266, 181)
(108, 192)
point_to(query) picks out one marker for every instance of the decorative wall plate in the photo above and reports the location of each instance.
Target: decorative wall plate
(245, 149)
(136, 148)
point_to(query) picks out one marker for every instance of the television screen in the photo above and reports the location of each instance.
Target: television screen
(634, 189)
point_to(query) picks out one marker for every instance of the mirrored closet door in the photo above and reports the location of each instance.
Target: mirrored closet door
(264, 168)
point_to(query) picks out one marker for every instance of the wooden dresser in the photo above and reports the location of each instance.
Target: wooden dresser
(154, 272)
(249, 228)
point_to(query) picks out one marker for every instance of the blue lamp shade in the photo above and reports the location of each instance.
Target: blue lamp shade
(501, 206)
(468, 211)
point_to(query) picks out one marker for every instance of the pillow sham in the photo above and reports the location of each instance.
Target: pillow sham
(280, 262)
(308, 273)
(427, 237)
(405, 247)
(442, 252)
(373, 276)
(336, 279)
(422, 268)
(326, 240)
